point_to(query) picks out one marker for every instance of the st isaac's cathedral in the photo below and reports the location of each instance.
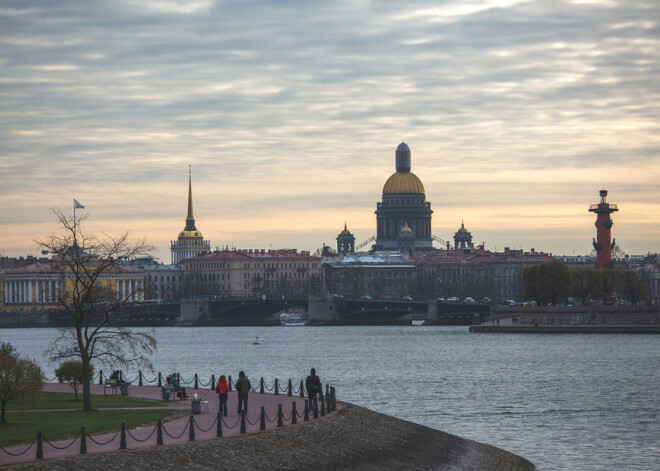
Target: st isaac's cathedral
(403, 218)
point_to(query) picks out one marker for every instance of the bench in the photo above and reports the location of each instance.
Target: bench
(113, 384)
(168, 391)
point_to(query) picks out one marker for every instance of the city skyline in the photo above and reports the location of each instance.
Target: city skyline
(516, 113)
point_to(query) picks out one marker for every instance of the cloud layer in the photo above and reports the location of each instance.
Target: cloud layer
(517, 113)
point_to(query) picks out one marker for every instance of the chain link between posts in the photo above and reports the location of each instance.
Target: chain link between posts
(128, 432)
(22, 452)
(102, 443)
(45, 440)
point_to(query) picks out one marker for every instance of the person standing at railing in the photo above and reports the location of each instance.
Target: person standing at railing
(243, 387)
(314, 388)
(222, 389)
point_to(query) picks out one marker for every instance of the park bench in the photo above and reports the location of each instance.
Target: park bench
(113, 384)
(168, 391)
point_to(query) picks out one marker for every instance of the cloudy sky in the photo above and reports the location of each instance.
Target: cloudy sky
(516, 112)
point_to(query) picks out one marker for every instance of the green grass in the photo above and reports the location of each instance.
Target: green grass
(22, 427)
(48, 401)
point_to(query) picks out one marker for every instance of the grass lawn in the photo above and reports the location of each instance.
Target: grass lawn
(46, 401)
(22, 427)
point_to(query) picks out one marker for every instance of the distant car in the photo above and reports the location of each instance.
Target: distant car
(407, 298)
(453, 299)
(486, 300)
(441, 300)
(469, 300)
(510, 302)
(366, 297)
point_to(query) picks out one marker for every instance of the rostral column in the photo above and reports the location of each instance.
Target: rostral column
(603, 242)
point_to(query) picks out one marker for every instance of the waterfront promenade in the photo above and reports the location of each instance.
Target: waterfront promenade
(176, 430)
(350, 438)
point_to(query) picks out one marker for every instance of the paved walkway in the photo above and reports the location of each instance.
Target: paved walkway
(174, 431)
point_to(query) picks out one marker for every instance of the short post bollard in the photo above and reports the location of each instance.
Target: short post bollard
(261, 386)
(229, 382)
(334, 402)
(191, 432)
(262, 423)
(140, 378)
(196, 381)
(159, 433)
(277, 387)
(290, 389)
(218, 430)
(316, 409)
(280, 421)
(122, 437)
(83, 441)
(306, 416)
(40, 446)
(302, 390)
(100, 377)
(243, 430)
(322, 399)
(213, 382)
(160, 379)
(327, 389)
(294, 414)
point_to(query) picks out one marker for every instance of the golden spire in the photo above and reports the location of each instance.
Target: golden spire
(190, 207)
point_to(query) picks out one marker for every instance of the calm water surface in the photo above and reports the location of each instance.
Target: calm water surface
(565, 402)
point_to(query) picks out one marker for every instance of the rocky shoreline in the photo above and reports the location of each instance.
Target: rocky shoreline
(354, 438)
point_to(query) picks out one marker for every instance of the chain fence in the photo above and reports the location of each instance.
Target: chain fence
(327, 404)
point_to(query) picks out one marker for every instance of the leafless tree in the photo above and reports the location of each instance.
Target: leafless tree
(91, 302)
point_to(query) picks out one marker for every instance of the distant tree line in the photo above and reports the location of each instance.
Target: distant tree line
(553, 283)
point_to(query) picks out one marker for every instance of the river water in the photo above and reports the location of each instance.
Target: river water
(565, 402)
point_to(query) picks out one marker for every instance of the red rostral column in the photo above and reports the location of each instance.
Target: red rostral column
(603, 242)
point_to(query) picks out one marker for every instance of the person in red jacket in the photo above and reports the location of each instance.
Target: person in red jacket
(222, 389)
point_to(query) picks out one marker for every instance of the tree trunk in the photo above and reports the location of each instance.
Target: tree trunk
(2, 418)
(87, 397)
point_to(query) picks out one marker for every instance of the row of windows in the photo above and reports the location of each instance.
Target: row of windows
(223, 265)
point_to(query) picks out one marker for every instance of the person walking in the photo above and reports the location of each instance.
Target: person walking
(314, 388)
(222, 389)
(243, 387)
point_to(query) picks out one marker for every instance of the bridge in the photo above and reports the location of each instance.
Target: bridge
(255, 311)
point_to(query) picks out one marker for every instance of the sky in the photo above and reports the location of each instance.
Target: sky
(516, 112)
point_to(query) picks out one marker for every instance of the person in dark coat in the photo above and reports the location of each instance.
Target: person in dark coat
(314, 388)
(243, 387)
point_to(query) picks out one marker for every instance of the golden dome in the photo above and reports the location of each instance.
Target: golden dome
(406, 228)
(403, 182)
(190, 234)
(462, 229)
(345, 231)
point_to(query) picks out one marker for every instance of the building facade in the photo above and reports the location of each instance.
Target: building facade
(37, 287)
(387, 274)
(251, 273)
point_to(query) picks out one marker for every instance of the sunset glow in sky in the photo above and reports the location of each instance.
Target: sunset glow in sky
(516, 112)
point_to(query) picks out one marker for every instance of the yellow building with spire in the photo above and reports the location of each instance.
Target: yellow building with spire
(190, 242)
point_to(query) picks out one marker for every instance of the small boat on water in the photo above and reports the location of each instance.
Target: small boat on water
(291, 319)
(256, 341)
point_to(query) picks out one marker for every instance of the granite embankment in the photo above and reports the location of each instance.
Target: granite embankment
(353, 439)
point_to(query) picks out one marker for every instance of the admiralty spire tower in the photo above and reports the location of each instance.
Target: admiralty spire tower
(403, 208)
(190, 242)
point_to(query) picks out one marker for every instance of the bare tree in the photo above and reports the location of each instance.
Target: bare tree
(92, 303)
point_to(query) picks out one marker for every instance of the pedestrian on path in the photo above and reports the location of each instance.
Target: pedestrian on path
(222, 389)
(314, 388)
(243, 387)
